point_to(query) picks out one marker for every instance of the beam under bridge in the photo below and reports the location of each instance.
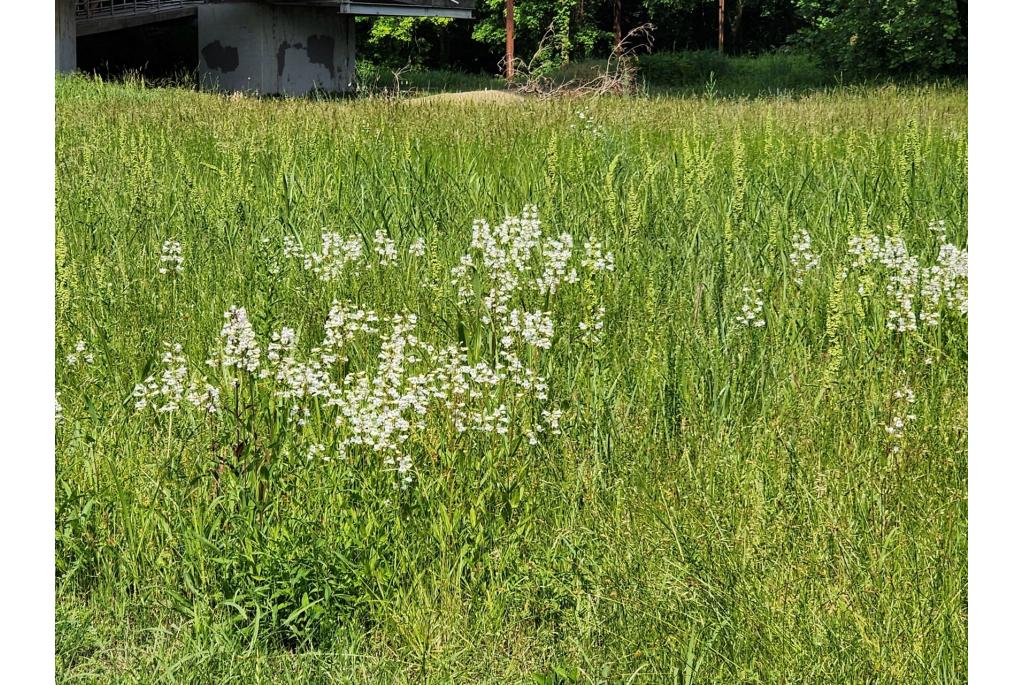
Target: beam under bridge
(100, 16)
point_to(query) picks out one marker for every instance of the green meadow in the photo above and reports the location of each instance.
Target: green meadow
(700, 419)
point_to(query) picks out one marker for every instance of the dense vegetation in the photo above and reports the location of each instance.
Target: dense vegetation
(733, 449)
(857, 38)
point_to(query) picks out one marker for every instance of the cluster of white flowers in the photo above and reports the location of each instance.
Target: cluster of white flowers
(204, 396)
(596, 260)
(58, 411)
(550, 423)
(918, 295)
(168, 387)
(387, 253)
(165, 390)
(508, 257)
(586, 124)
(803, 259)
(379, 408)
(81, 353)
(337, 256)
(240, 347)
(593, 328)
(751, 309)
(534, 328)
(462, 277)
(272, 258)
(903, 399)
(556, 254)
(171, 260)
(944, 283)
(344, 323)
(505, 255)
(418, 247)
(403, 464)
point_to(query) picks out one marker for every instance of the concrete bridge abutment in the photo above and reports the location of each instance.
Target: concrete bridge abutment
(274, 49)
(66, 34)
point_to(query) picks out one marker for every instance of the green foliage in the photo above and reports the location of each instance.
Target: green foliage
(697, 71)
(575, 31)
(397, 41)
(724, 504)
(866, 37)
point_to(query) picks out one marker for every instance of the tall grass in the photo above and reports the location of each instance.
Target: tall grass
(725, 502)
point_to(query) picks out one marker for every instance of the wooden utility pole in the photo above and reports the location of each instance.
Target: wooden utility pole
(510, 40)
(721, 26)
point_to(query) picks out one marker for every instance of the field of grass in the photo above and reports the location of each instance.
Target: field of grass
(561, 472)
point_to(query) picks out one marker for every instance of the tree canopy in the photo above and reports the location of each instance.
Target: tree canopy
(856, 37)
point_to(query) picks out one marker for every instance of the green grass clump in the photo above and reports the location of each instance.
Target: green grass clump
(725, 502)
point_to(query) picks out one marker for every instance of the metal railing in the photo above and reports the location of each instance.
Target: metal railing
(96, 9)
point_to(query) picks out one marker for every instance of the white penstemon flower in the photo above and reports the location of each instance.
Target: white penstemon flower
(317, 451)
(338, 255)
(384, 247)
(596, 260)
(204, 396)
(418, 247)
(167, 388)
(240, 347)
(535, 328)
(915, 294)
(81, 353)
(403, 468)
(593, 328)
(585, 123)
(901, 415)
(803, 259)
(751, 309)
(382, 407)
(171, 261)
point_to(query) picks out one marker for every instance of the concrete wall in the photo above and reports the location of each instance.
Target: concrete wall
(270, 49)
(66, 36)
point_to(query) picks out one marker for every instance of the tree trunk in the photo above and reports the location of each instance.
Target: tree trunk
(510, 40)
(721, 26)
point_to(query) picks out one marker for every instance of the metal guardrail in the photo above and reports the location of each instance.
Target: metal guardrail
(97, 9)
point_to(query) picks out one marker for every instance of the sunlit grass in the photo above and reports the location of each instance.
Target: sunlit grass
(724, 503)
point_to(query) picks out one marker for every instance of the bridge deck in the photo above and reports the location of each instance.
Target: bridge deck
(99, 16)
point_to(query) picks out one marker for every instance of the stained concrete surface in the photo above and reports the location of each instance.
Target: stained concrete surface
(265, 49)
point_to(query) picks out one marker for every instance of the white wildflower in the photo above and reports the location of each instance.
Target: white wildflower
(338, 255)
(803, 259)
(205, 397)
(915, 294)
(534, 328)
(593, 328)
(387, 253)
(164, 391)
(900, 415)
(171, 260)
(556, 254)
(596, 260)
(240, 347)
(751, 309)
(81, 353)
